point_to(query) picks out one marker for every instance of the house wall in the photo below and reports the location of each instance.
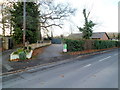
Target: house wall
(0, 44)
(5, 43)
(104, 37)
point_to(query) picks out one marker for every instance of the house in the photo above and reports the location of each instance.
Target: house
(113, 36)
(95, 35)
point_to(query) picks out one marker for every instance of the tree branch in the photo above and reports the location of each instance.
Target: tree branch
(59, 25)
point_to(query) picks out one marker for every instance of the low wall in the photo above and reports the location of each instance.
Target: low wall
(37, 45)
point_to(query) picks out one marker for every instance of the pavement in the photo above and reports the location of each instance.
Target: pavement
(5, 65)
(93, 71)
(51, 54)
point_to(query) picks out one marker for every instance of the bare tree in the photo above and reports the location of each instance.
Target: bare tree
(5, 21)
(52, 14)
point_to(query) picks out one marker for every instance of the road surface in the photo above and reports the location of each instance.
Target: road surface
(5, 65)
(53, 50)
(96, 71)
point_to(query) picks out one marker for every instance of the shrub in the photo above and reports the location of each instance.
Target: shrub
(117, 43)
(22, 55)
(18, 51)
(29, 48)
(74, 45)
(15, 52)
(102, 44)
(79, 45)
(25, 48)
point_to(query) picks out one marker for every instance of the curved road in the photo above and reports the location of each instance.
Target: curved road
(96, 71)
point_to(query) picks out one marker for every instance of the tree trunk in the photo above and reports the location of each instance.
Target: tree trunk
(3, 22)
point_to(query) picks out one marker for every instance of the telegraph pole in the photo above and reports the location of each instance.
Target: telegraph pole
(24, 21)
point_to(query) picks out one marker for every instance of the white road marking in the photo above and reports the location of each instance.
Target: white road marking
(88, 65)
(104, 58)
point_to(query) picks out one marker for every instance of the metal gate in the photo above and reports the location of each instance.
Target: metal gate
(56, 41)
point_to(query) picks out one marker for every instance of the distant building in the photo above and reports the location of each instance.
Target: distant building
(95, 35)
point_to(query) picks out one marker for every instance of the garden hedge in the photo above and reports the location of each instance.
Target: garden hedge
(74, 45)
(103, 44)
(80, 45)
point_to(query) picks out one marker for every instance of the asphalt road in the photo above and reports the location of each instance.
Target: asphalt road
(96, 71)
(53, 50)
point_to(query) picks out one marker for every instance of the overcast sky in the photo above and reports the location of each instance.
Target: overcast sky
(103, 12)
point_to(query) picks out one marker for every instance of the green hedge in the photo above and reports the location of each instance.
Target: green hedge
(80, 45)
(74, 45)
(102, 44)
(118, 43)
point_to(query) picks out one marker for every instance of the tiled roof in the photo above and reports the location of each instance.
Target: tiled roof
(97, 35)
(94, 35)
